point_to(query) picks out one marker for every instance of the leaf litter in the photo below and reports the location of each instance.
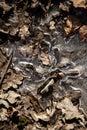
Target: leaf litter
(37, 78)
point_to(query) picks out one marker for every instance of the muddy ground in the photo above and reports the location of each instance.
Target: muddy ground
(43, 65)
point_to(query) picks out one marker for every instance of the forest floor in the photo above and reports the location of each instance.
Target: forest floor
(43, 65)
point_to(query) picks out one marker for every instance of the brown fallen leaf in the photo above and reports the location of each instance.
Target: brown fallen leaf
(12, 97)
(12, 79)
(24, 32)
(26, 50)
(80, 3)
(3, 114)
(34, 3)
(8, 76)
(69, 110)
(64, 6)
(69, 127)
(72, 25)
(52, 25)
(4, 103)
(45, 59)
(83, 33)
(42, 116)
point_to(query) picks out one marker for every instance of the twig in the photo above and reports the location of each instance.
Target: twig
(6, 67)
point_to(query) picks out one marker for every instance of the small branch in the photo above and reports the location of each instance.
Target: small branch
(6, 67)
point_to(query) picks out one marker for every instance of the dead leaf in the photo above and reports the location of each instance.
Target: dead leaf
(3, 114)
(12, 79)
(26, 50)
(69, 127)
(12, 97)
(69, 110)
(4, 103)
(42, 116)
(5, 6)
(52, 25)
(83, 33)
(64, 6)
(79, 3)
(34, 3)
(45, 59)
(72, 25)
(24, 32)
(8, 76)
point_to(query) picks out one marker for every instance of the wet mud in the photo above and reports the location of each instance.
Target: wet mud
(67, 55)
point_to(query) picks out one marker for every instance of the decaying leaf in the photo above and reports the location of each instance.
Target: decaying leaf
(52, 25)
(45, 59)
(13, 79)
(69, 110)
(72, 25)
(79, 3)
(42, 116)
(3, 114)
(64, 6)
(7, 99)
(83, 33)
(5, 6)
(4, 103)
(12, 97)
(46, 62)
(69, 127)
(24, 32)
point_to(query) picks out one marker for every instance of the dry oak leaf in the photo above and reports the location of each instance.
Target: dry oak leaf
(24, 32)
(64, 6)
(80, 3)
(72, 24)
(12, 97)
(45, 59)
(69, 110)
(83, 32)
(42, 116)
(3, 114)
(12, 79)
(69, 127)
(4, 103)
